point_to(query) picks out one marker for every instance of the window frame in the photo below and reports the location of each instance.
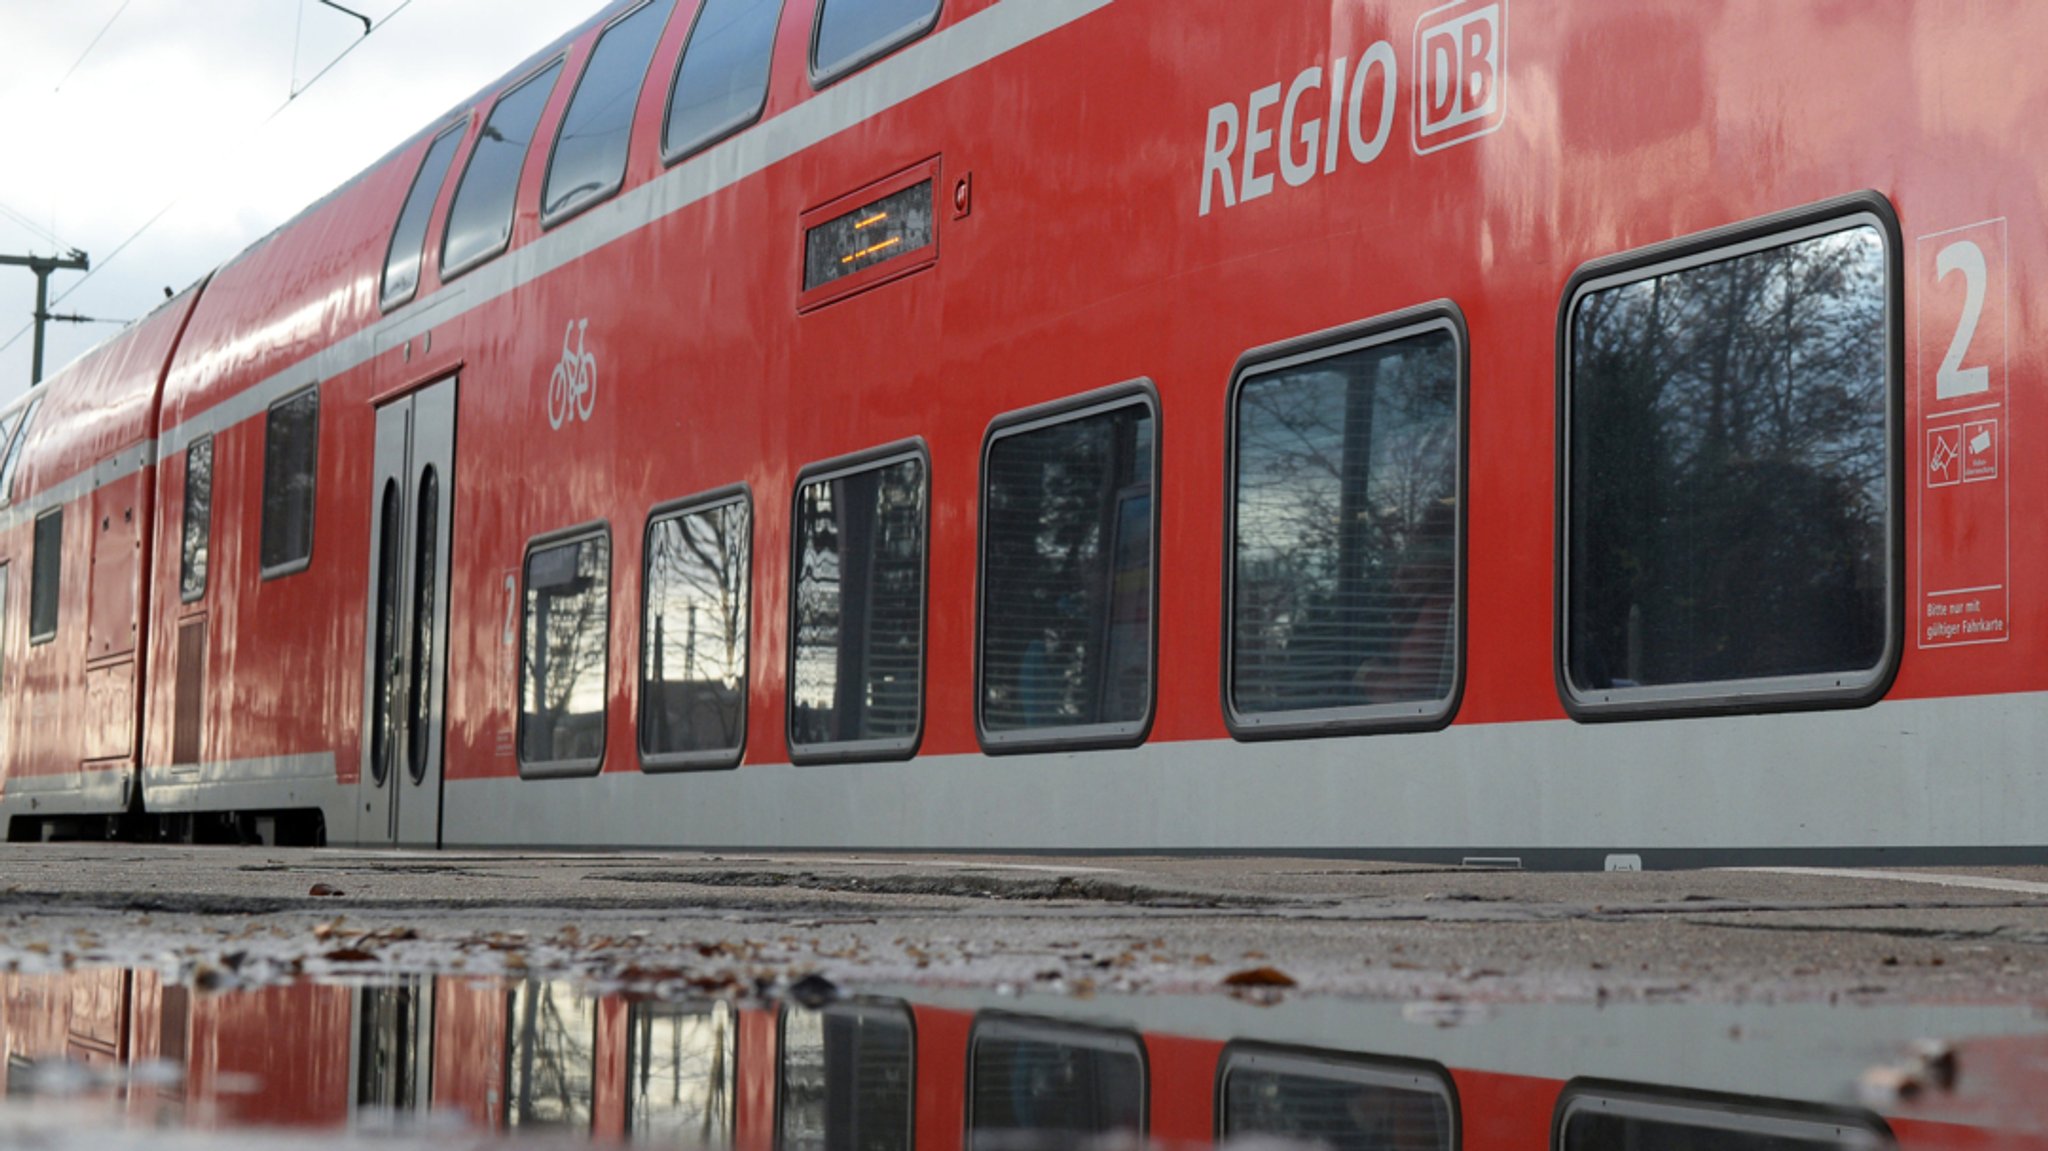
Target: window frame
(564, 768)
(863, 1005)
(1139, 392)
(185, 518)
(10, 456)
(549, 220)
(825, 77)
(1416, 1075)
(721, 759)
(1044, 1029)
(671, 156)
(388, 303)
(39, 638)
(449, 272)
(300, 563)
(862, 750)
(1392, 327)
(1753, 695)
(1738, 1113)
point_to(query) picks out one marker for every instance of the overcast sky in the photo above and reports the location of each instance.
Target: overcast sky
(169, 109)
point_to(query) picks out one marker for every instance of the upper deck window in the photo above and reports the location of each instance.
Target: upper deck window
(1729, 508)
(409, 238)
(722, 81)
(291, 459)
(590, 151)
(46, 576)
(855, 32)
(21, 434)
(198, 525)
(480, 220)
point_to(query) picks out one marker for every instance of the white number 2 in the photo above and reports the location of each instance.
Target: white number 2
(511, 608)
(1953, 379)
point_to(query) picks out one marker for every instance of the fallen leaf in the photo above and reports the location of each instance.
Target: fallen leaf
(1259, 977)
(325, 890)
(349, 955)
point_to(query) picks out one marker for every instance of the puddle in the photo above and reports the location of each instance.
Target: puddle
(116, 1057)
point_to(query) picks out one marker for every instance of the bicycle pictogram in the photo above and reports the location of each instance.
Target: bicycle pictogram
(572, 388)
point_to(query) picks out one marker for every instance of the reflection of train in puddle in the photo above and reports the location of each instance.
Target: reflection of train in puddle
(978, 1070)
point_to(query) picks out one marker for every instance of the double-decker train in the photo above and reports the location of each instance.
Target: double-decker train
(1577, 433)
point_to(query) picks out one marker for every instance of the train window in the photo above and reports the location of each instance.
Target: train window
(1730, 517)
(590, 148)
(693, 654)
(1344, 530)
(551, 1057)
(682, 1074)
(851, 33)
(1600, 1117)
(848, 1078)
(198, 526)
(565, 646)
(291, 458)
(45, 576)
(480, 220)
(722, 80)
(856, 653)
(7, 468)
(1067, 558)
(1336, 1101)
(409, 237)
(1028, 1079)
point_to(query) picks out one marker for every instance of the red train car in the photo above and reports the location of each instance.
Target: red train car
(1586, 435)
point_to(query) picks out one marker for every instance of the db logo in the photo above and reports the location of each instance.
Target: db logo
(1460, 72)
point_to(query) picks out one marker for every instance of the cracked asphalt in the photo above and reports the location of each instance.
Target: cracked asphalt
(705, 921)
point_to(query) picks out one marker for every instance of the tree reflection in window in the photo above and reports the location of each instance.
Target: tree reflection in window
(1346, 503)
(857, 655)
(1067, 612)
(550, 1063)
(1728, 469)
(682, 1073)
(567, 633)
(693, 692)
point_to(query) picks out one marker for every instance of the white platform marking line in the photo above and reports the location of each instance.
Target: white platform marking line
(1978, 882)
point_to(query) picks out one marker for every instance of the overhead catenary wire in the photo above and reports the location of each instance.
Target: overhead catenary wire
(300, 90)
(101, 35)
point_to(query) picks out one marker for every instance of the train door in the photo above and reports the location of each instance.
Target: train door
(405, 681)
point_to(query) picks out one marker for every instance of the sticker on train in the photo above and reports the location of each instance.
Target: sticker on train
(1965, 530)
(572, 386)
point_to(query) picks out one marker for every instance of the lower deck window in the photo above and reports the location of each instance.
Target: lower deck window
(1338, 1102)
(1067, 587)
(1028, 1079)
(1344, 524)
(1599, 1119)
(693, 675)
(856, 680)
(1729, 513)
(567, 633)
(550, 1057)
